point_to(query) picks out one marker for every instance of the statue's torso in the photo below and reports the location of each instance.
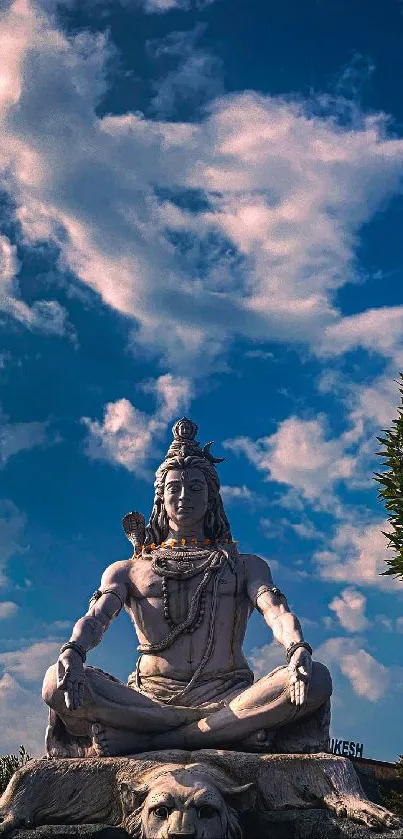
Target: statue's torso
(181, 659)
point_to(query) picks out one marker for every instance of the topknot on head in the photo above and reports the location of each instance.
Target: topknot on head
(185, 444)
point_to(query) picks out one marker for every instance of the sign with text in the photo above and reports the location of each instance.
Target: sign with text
(346, 748)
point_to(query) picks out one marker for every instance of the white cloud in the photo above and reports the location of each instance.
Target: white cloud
(20, 436)
(237, 493)
(264, 659)
(386, 623)
(299, 455)
(350, 610)
(126, 436)
(162, 6)
(368, 677)
(8, 609)
(284, 192)
(23, 718)
(263, 355)
(12, 524)
(31, 663)
(46, 315)
(399, 624)
(357, 556)
(377, 330)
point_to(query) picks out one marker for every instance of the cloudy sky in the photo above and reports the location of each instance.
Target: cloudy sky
(200, 213)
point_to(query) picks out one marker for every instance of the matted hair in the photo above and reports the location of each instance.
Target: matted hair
(216, 524)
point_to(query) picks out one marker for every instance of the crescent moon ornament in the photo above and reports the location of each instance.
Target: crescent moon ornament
(209, 456)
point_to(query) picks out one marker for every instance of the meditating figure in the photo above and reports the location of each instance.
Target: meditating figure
(189, 593)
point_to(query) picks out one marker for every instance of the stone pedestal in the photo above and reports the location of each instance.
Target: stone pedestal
(290, 796)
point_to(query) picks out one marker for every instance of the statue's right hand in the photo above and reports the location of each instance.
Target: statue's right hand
(71, 678)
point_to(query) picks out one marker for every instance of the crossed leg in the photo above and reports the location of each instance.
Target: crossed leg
(264, 705)
(122, 721)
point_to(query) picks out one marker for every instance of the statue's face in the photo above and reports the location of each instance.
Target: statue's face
(185, 497)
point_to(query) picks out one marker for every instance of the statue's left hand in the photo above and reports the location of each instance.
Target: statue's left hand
(301, 669)
(71, 678)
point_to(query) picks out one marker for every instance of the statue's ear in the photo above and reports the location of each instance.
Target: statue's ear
(241, 798)
(131, 798)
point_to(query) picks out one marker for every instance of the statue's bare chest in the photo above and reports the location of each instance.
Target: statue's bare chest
(149, 585)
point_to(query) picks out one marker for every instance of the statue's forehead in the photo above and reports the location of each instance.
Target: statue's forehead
(192, 473)
(184, 790)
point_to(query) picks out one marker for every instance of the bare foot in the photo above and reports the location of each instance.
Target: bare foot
(365, 812)
(116, 742)
(59, 743)
(259, 741)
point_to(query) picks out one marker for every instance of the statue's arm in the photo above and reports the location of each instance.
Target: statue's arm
(271, 602)
(104, 606)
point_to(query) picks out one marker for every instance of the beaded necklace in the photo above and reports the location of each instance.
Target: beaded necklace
(185, 569)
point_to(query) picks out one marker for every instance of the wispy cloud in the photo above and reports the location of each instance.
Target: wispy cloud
(350, 610)
(356, 556)
(44, 315)
(20, 436)
(300, 455)
(197, 77)
(30, 664)
(237, 493)
(12, 525)
(23, 718)
(369, 678)
(126, 436)
(264, 659)
(284, 190)
(8, 609)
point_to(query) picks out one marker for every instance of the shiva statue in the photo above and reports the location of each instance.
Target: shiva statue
(189, 593)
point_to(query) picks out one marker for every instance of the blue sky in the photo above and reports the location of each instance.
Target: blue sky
(201, 213)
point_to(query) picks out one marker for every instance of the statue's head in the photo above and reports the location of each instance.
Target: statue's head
(187, 489)
(192, 803)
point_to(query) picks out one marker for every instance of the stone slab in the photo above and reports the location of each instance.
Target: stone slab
(295, 824)
(291, 789)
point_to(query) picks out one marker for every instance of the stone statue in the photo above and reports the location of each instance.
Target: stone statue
(189, 593)
(205, 742)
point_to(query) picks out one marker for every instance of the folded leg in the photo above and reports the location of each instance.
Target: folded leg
(108, 704)
(264, 706)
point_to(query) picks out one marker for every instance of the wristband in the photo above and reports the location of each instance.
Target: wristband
(291, 650)
(72, 645)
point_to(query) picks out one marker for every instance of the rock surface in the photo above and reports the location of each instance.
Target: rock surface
(295, 824)
(299, 796)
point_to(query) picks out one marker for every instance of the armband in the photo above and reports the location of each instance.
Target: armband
(98, 593)
(272, 589)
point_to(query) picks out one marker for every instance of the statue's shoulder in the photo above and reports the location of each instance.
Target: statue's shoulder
(118, 572)
(255, 565)
(254, 559)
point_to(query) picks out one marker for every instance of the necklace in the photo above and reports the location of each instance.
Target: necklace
(184, 559)
(208, 569)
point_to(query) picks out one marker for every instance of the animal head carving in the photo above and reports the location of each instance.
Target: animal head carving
(198, 802)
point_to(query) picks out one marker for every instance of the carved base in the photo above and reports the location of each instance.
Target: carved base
(293, 796)
(294, 824)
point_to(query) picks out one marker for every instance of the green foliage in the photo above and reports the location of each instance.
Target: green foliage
(391, 487)
(391, 799)
(9, 764)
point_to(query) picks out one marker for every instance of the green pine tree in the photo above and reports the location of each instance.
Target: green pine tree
(391, 487)
(9, 764)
